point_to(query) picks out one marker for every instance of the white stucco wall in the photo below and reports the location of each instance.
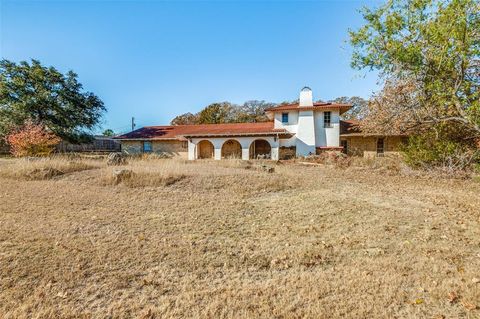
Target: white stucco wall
(333, 133)
(307, 126)
(191, 150)
(305, 141)
(291, 126)
(327, 136)
(302, 128)
(245, 143)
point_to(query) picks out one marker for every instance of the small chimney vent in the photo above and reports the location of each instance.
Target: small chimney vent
(306, 97)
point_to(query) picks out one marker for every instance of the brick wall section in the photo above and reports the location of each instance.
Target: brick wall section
(367, 146)
(172, 148)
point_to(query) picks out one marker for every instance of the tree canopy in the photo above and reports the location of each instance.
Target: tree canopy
(43, 95)
(359, 107)
(254, 111)
(226, 112)
(108, 132)
(217, 113)
(429, 51)
(185, 119)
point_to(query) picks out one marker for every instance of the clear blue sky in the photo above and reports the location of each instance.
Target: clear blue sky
(157, 59)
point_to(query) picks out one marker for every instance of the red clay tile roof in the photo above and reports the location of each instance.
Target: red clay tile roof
(316, 106)
(349, 127)
(178, 132)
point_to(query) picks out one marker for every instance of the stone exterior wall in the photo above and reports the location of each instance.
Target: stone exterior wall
(132, 147)
(366, 146)
(171, 148)
(334, 150)
(287, 152)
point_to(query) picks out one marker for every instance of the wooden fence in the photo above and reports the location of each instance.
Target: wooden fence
(99, 144)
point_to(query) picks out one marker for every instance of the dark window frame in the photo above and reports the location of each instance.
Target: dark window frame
(144, 148)
(380, 146)
(285, 118)
(344, 144)
(327, 119)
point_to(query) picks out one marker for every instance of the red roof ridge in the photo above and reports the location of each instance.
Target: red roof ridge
(294, 106)
(213, 124)
(179, 131)
(352, 121)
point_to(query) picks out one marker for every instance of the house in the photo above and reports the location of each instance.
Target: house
(299, 129)
(358, 143)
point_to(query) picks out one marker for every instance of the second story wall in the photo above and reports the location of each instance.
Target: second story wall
(327, 136)
(305, 133)
(324, 136)
(291, 126)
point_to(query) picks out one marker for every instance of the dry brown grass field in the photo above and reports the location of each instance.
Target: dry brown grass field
(225, 240)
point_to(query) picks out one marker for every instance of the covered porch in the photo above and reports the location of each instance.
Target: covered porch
(241, 147)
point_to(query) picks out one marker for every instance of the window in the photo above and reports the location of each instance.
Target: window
(327, 119)
(284, 117)
(380, 146)
(184, 145)
(344, 144)
(147, 147)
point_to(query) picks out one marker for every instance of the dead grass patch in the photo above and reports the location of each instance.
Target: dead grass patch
(44, 168)
(392, 164)
(148, 172)
(142, 179)
(246, 184)
(230, 242)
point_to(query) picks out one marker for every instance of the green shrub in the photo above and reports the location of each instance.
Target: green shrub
(476, 167)
(441, 147)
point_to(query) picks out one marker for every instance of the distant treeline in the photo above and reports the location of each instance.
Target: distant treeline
(253, 111)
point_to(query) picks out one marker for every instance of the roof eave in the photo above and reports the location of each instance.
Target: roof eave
(283, 133)
(369, 135)
(147, 138)
(341, 108)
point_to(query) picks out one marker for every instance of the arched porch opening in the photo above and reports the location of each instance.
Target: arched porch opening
(231, 149)
(205, 149)
(260, 149)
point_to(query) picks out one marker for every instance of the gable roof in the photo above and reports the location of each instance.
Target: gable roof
(180, 132)
(349, 127)
(316, 106)
(353, 128)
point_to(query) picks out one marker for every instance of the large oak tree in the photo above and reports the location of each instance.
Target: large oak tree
(428, 51)
(33, 92)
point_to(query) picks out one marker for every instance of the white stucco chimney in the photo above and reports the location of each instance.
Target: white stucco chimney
(306, 98)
